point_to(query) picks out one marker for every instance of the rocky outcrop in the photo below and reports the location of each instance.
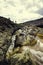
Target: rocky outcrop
(26, 48)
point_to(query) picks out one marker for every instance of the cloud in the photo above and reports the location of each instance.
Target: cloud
(40, 11)
(21, 10)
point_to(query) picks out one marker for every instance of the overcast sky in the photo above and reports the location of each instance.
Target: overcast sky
(21, 10)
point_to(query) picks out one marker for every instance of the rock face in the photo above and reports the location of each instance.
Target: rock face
(20, 45)
(26, 47)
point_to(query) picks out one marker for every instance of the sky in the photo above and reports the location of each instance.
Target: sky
(21, 10)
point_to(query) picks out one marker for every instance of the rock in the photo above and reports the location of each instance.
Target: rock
(1, 55)
(5, 40)
(26, 46)
(22, 56)
(7, 27)
(19, 50)
(26, 36)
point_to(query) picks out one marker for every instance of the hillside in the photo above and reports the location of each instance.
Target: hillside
(20, 36)
(37, 22)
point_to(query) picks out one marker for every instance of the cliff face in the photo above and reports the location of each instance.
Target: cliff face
(17, 41)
